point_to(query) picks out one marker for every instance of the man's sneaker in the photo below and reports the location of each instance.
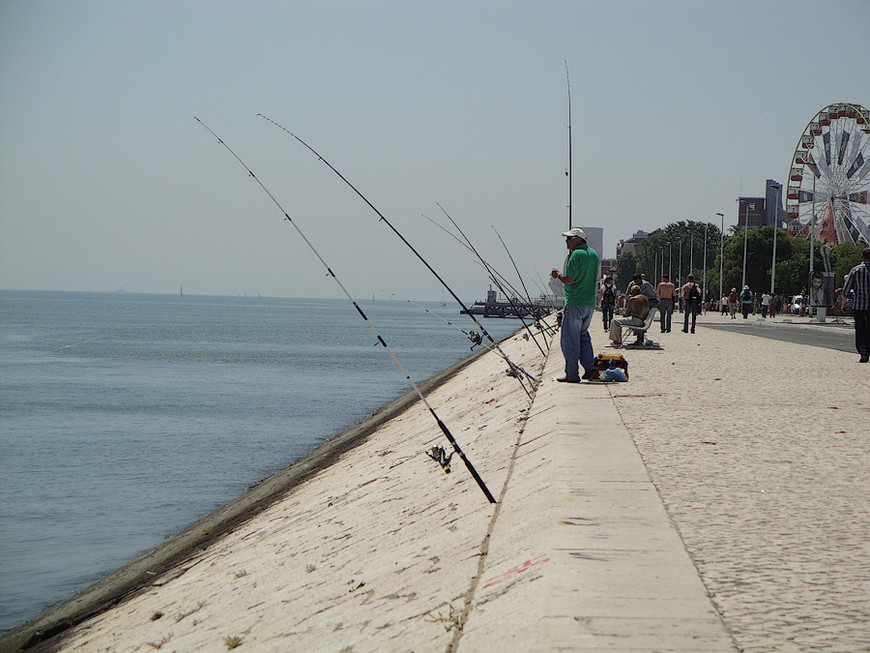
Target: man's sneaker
(864, 359)
(565, 379)
(591, 374)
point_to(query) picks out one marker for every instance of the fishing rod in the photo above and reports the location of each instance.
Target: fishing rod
(475, 337)
(509, 298)
(396, 361)
(569, 173)
(517, 270)
(492, 273)
(514, 368)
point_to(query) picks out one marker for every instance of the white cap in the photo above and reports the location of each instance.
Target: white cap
(576, 232)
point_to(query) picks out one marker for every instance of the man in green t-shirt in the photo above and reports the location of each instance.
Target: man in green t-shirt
(580, 277)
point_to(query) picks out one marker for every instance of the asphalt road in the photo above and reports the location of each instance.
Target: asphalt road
(817, 334)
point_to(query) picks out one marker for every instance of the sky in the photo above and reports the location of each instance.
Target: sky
(108, 182)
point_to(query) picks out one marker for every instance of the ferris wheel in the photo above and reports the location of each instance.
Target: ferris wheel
(829, 179)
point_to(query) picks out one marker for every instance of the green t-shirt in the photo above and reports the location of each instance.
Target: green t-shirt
(582, 266)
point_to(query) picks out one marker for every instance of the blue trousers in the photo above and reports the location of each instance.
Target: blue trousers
(576, 341)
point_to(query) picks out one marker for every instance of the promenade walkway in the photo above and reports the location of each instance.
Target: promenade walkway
(718, 501)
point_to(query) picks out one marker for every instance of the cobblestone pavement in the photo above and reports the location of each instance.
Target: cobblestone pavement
(761, 452)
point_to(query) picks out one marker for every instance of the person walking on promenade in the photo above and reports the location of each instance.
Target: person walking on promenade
(648, 291)
(636, 312)
(723, 304)
(856, 291)
(772, 312)
(746, 301)
(732, 303)
(607, 300)
(691, 295)
(765, 304)
(665, 293)
(580, 276)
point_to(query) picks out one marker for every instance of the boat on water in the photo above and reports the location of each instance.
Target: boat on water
(514, 307)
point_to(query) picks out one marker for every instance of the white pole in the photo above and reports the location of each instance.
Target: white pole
(745, 230)
(721, 252)
(704, 283)
(775, 230)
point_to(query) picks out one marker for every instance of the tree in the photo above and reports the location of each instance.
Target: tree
(626, 265)
(678, 250)
(843, 258)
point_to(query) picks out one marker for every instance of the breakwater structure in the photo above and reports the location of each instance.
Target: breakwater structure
(680, 511)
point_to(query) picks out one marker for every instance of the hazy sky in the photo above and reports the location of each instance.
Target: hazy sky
(106, 181)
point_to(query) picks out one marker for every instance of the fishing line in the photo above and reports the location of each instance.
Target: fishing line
(514, 367)
(396, 361)
(500, 287)
(492, 273)
(519, 276)
(475, 338)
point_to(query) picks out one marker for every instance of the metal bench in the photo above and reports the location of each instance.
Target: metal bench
(642, 342)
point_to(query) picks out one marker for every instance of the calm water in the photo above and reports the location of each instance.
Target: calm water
(125, 417)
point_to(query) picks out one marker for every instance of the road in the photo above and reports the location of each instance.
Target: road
(818, 334)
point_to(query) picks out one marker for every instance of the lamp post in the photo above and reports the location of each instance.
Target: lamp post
(670, 262)
(721, 252)
(692, 253)
(704, 283)
(775, 229)
(745, 236)
(680, 264)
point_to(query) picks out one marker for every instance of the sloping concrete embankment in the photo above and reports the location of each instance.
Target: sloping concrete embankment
(381, 551)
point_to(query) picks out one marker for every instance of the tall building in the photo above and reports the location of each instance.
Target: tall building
(762, 211)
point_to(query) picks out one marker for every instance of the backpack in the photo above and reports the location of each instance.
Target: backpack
(608, 294)
(694, 293)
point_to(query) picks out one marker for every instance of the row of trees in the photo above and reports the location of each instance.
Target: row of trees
(678, 250)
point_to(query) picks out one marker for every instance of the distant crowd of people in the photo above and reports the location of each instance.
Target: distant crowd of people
(580, 280)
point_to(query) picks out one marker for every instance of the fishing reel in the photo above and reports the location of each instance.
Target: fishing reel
(440, 456)
(476, 339)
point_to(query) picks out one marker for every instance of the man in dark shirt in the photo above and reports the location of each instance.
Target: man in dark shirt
(857, 291)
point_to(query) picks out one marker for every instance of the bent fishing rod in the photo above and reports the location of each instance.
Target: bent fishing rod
(519, 276)
(489, 269)
(491, 347)
(383, 343)
(494, 275)
(514, 368)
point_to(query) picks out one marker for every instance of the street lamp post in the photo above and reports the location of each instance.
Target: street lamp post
(704, 283)
(670, 262)
(745, 236)
(692, 253)
(775, 229)
(680, 263)
(721, 252)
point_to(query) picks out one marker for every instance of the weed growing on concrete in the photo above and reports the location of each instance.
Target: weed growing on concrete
(241, 574)
(450, 621)
(199, 606)
(233, 642)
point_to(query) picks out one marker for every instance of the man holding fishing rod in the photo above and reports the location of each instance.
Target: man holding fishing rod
(581, 273)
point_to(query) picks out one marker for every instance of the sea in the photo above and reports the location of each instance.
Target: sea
(124, 417)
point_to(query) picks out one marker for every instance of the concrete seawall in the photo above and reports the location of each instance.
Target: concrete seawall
(682, 511)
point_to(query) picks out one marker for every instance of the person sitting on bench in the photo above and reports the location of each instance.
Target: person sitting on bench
(636, 311)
